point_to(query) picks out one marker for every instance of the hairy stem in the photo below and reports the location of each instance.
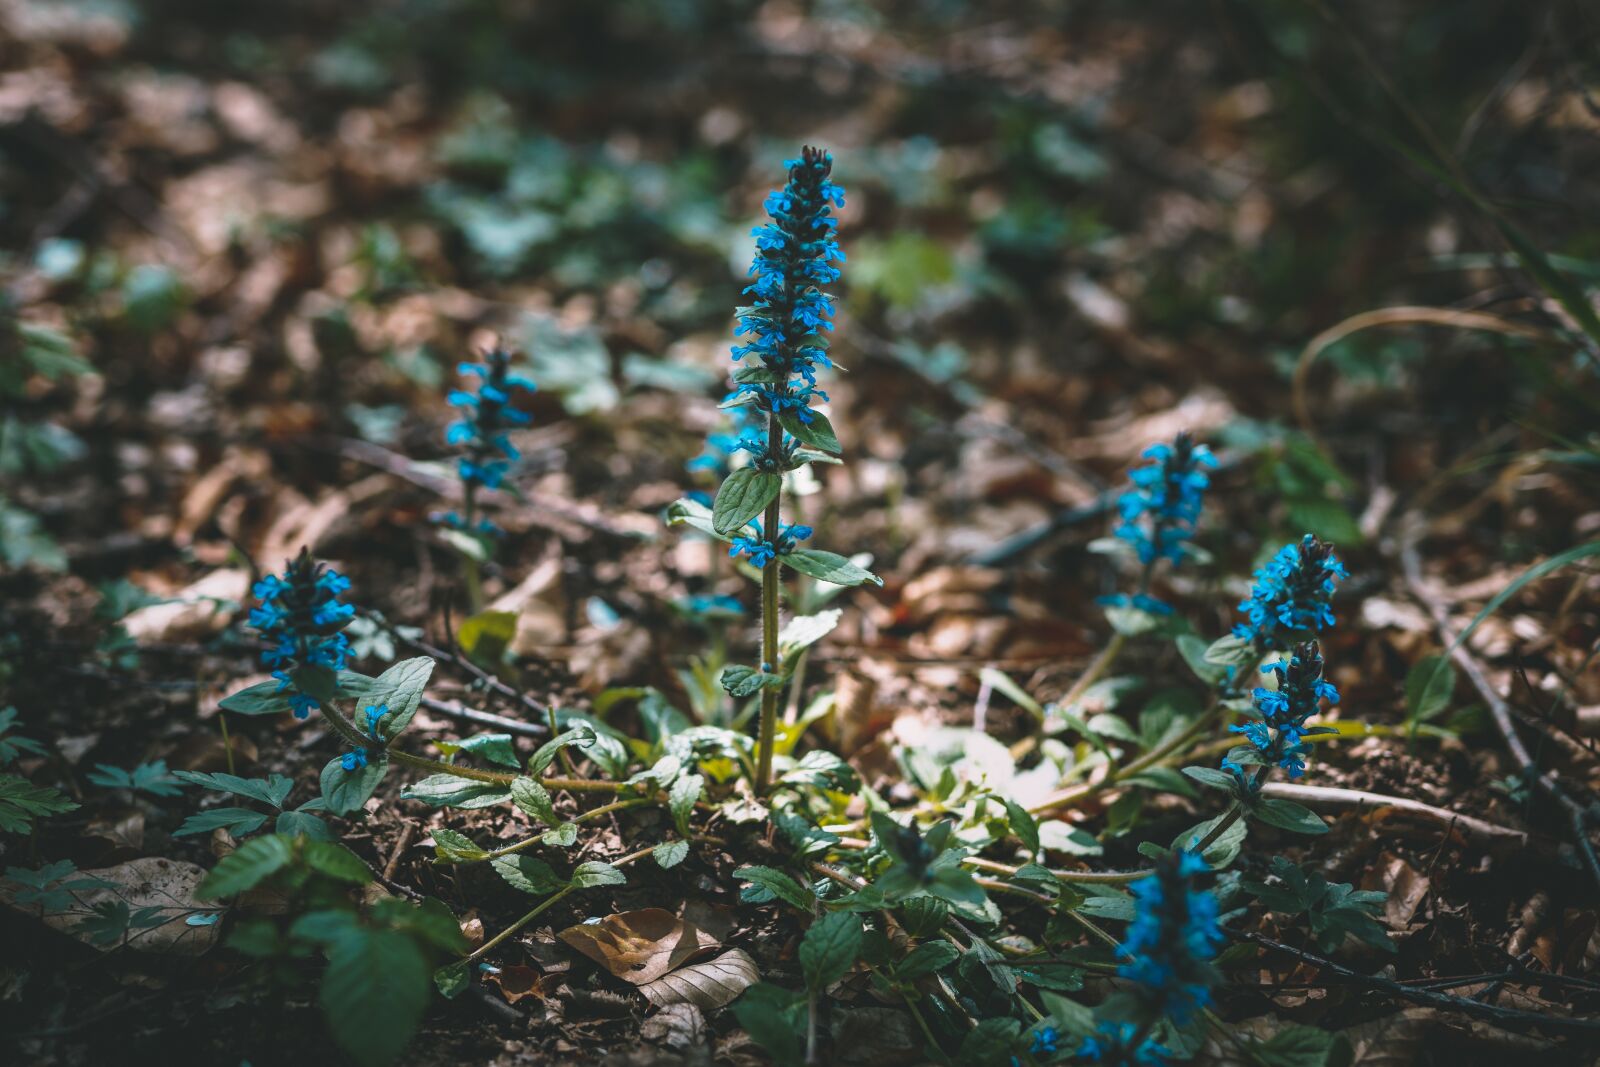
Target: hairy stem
(769, 619)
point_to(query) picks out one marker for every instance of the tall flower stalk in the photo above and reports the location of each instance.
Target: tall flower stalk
(786, 325)
(487, 454)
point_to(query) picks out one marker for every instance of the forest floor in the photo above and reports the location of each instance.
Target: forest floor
(271, 240)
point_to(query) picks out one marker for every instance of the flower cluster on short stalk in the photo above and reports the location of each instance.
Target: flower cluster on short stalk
(1160, 512)
(790, 314)
(481, 430)
(357, 758)
(762, 551)
(1172, 939)
(300, 615)
(1289, 600)
(1278, 734)
(1123, 1044)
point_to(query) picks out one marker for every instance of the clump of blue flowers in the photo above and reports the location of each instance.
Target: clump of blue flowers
(1167, 952)
(357, 758)
(300, 615)
(761, 551)
(795, 253)
(1160, 512)
(481, 431)
(745, 432)
(1290, 598)
(1279, 732)
(1172, 939)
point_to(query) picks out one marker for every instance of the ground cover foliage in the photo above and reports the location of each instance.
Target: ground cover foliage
(1129, 597)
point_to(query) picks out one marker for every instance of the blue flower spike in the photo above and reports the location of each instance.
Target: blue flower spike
(299, 614)
(790, 313)
(1160, 512)
(1122, 1044)
(1172, 939)
(486, 418)
(1290, 598)
(1279, 733)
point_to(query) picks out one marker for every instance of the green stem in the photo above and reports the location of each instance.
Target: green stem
(769, 618)
(471, 577)
(542, 907)
(353, 738)
(592, 813)
(227, 744)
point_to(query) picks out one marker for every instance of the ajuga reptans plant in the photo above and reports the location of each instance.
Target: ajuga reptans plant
(1160, 512)
(300, 615)
(786, 328)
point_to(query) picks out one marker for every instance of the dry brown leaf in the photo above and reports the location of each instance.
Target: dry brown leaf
(149, 882)
(1406, 888)
(677, 1026)
(519, 981)
(198, 611)
(639, 946)
(708, 985)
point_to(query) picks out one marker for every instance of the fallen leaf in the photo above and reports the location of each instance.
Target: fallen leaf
(519, 981)
(165, 887)
(200, 610)
(639, 946)
(708, 985)
(678, 1027)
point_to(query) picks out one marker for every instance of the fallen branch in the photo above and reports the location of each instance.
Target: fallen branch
(1318, 796)
(1579, 815)
(1511, 1018)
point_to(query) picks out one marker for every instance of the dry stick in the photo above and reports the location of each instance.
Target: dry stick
(1511, 1017)
(1330, 797)
(407, 832)
(456, 710)
(1578, 815)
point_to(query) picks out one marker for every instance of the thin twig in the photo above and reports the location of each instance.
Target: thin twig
(1330, 797)
(1579, 815)
(1510, 1018)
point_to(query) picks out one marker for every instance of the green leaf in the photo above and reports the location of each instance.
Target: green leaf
(1287, 815)
(345, 792)
(692, 513)
(246, 867)
(485, 636)
(990, 1043)
(496, 748)
(830, 948)
(336, 861)
(373, 993)
(828, 567)
(1230, 651)
(301, 824)
(400, 687)
(273, 790)
(545, 754)
(564, 835)
(596, 873)
(744, 495)
(926, 958)
(1300, 1046)
(534, 800)
(670, 853)
(21, 802)
(774, 1019)
(1211, 778)
(238, 821)
(528, 874)
(452, 980)
(1023, 825)
(452, 791)
(1428, 688)
(803, 631)
(317, 681)
(740, 681)
(452, 847)
(1193, 651)
(682, 797)
(818, 433)
(922, 915)
(1221, 852)
(263, 698)
(769, 883)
